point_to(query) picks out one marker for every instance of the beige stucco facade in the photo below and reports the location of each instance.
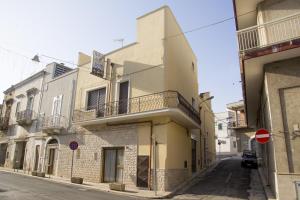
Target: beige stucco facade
(155, 64)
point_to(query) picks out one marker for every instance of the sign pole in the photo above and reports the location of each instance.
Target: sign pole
(73, 146)
(72, 164)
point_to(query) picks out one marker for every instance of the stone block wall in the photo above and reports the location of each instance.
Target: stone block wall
(169, 179)
(88, 159)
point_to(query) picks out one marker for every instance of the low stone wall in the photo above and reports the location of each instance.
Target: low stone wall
(169, 179)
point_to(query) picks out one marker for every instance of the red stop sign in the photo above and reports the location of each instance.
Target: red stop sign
(262, 136)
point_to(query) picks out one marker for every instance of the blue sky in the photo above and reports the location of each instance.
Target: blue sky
(62, 28)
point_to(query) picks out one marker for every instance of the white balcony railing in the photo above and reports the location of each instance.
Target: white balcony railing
(270, 33)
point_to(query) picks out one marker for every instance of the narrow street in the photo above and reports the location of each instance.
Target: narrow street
(18, 187)
(227, 181)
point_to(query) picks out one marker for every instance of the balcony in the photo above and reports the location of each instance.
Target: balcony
(167, 103)
(237, 124)
(25, 117)
(54, 124)
(271, 33)
(4, 122)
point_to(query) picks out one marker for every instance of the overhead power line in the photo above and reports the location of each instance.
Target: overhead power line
(152, 67)
(208, 25)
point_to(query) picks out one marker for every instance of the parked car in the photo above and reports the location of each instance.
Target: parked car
(249, 159)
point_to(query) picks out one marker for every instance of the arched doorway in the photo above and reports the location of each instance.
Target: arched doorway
(51, 156)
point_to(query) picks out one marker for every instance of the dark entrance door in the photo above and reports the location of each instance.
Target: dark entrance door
(19, 155)
(194, 156)
(142, 171)
(51, 161)
(37, 156)
(123, 97)
(3, 148)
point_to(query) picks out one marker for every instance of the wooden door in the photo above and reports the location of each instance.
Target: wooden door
(123, 97)
(142, 171)
(51, 161)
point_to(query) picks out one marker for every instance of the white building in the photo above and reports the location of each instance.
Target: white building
(225, 142)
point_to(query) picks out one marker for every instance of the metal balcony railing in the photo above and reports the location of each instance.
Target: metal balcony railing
(146, 103)
(270, 33)
(25, 117)
(4, 122)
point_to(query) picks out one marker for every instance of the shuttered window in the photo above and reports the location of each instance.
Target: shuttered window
(96, 99)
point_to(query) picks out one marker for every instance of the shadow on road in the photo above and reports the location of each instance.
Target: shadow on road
(227, 181)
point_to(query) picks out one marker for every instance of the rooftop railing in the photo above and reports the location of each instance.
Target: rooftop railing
(141, 104)
(270, 33)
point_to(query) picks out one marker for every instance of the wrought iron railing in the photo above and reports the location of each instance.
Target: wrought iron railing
(4, 122)
(25, 116)
(54, 122)
(151, 102)
(270, 33)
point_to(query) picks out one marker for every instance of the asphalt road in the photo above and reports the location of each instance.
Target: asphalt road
(227, 181)
(18, 187)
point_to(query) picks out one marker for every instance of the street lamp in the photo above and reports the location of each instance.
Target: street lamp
(36, 58)
(207, 99)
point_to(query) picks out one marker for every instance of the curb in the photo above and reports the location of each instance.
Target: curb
(81, 185)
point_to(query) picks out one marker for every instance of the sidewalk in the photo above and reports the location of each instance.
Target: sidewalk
(267, 189)
(256, 191)
(133, 192)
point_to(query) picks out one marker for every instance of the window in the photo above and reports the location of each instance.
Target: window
(220, 126)
(96, 100)
(30, 103)
(18, 107)
(56, 106)
(234, 144)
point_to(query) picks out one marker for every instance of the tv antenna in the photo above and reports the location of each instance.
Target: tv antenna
(120, 40)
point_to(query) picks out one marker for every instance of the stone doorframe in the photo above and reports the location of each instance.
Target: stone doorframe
(46, 154)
